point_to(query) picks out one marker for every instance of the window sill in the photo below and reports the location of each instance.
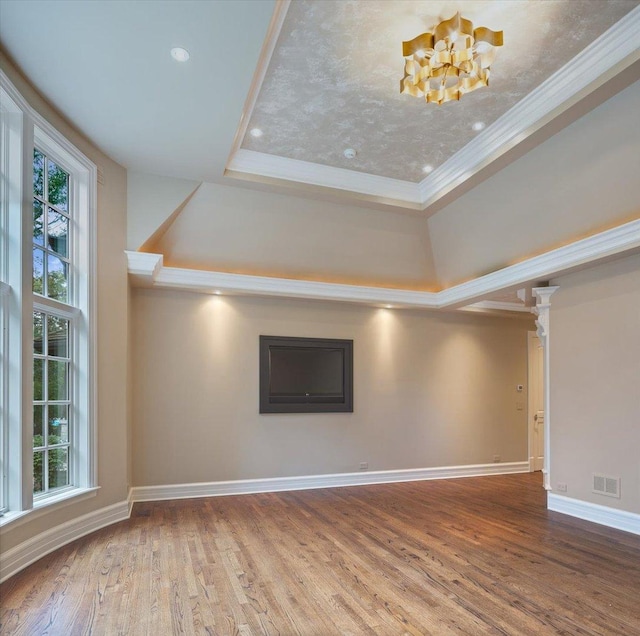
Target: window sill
(12, 520)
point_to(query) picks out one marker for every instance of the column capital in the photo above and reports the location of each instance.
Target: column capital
(543, 294)
(541, 309)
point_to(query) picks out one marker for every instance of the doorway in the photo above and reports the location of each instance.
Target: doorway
(535, 409)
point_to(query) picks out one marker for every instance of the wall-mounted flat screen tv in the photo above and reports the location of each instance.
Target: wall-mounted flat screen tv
(305, 375)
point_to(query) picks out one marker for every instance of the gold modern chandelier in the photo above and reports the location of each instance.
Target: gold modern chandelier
(453, 60)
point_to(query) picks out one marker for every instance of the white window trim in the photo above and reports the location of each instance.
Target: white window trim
(18, 390)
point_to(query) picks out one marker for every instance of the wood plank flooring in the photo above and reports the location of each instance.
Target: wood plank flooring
(461, 556)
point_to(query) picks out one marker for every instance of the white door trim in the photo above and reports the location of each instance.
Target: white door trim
(543, 305)
(535, 385)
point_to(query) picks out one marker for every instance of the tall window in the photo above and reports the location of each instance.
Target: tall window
(47, 427)
(51, 352)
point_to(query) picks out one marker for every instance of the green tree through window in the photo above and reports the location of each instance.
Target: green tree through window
(50, 228)
(51, 361)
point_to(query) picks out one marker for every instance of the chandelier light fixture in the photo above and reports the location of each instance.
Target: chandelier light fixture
(452, 60)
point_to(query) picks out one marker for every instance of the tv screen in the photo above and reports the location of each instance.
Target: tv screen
(305, 375)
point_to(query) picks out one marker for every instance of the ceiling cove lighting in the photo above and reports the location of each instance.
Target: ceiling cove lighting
(454, 59)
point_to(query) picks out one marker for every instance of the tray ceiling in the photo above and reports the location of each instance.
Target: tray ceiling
(332, 83)
(327, 78)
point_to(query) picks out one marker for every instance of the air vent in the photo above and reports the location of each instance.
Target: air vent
(608, 486)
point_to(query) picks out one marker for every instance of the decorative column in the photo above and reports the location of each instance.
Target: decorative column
(541, 309)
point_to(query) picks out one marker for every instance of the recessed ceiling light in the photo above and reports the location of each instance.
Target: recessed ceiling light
(427, 169)
(350, 153)
(256, 132)
(218, 292)
(179, 54)
(478, 126)
(389, 306)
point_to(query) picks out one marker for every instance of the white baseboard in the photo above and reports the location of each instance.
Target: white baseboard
(277, 484)
(604, 515)
(26, 553)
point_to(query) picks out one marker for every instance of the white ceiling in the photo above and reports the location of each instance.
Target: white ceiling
(107, 67)
(326, 79)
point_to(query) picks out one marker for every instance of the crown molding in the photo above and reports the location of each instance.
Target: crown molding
(604, 58)
(273, 167)
(582, 75)
(148, 270)
(143, 263)
(496, 305)
(270, 41)
(210, 282)
(618, 240)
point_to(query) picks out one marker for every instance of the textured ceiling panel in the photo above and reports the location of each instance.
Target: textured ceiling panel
(333, 80)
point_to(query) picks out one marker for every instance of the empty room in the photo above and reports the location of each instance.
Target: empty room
(320, 317)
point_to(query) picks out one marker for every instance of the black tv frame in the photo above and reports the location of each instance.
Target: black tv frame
(267, 405)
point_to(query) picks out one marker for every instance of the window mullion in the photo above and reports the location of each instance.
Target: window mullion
(40, 303)
(25, 313)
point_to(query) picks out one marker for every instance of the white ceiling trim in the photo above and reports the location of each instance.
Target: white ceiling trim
(148, 270)
(157, 275)
(580, 76)
(270, 41)
(143, 264)
(497, 305)
(606, 244)
(614, 50)
(272, 166)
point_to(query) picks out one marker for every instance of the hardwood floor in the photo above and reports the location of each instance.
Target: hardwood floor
(461, 556)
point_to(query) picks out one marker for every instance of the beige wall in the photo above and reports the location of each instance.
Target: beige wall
(227, 228)
(151, 200)
(112, 327)
(582, 180)
(430, 390)
(595, 381)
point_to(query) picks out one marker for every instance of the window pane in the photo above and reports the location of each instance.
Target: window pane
(38, 173)
(57, 272)
(38, 271)
(37, 380)
(38, 417)
(58, 185)
(38, 223)
(58, 389)
(58, 468)
(57, 232)
(38, 485)
(58, 427)
(57, 337)
(38, 335)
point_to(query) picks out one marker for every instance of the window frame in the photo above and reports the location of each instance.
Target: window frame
(23, 129)
(48, 403)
